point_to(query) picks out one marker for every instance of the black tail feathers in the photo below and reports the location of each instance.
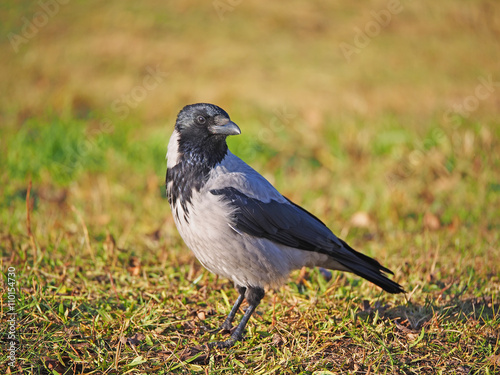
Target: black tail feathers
(371, 270)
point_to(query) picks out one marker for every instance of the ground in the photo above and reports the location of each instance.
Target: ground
(380, 117)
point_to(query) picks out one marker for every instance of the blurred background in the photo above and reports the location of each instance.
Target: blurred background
(385, 113)
(380, 117)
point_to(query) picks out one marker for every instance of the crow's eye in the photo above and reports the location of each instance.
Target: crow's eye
(201, 120)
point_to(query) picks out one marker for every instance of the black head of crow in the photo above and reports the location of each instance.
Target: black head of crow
(238, 225)
(202, 130)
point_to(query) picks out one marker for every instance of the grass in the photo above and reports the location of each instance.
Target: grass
(105, 285)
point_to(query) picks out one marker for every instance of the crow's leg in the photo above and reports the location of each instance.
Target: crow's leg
(253, 296)
(228, 323)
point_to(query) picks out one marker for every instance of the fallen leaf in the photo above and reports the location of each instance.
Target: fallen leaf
(454, 225)
(431, 221)
(134, 266)
(361, 220)
(277, 339)
(54, 365)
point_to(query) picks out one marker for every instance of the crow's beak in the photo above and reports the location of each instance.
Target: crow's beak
(225, 127)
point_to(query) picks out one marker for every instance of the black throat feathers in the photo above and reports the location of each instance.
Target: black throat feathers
(192, 171)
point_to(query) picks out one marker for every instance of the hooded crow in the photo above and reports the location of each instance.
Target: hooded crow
(238, 225)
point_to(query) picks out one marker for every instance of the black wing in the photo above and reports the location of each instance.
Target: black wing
(290, 225)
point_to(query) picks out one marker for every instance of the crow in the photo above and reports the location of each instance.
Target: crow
(238, 225)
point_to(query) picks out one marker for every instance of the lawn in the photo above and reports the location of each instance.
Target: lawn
(382, 118)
